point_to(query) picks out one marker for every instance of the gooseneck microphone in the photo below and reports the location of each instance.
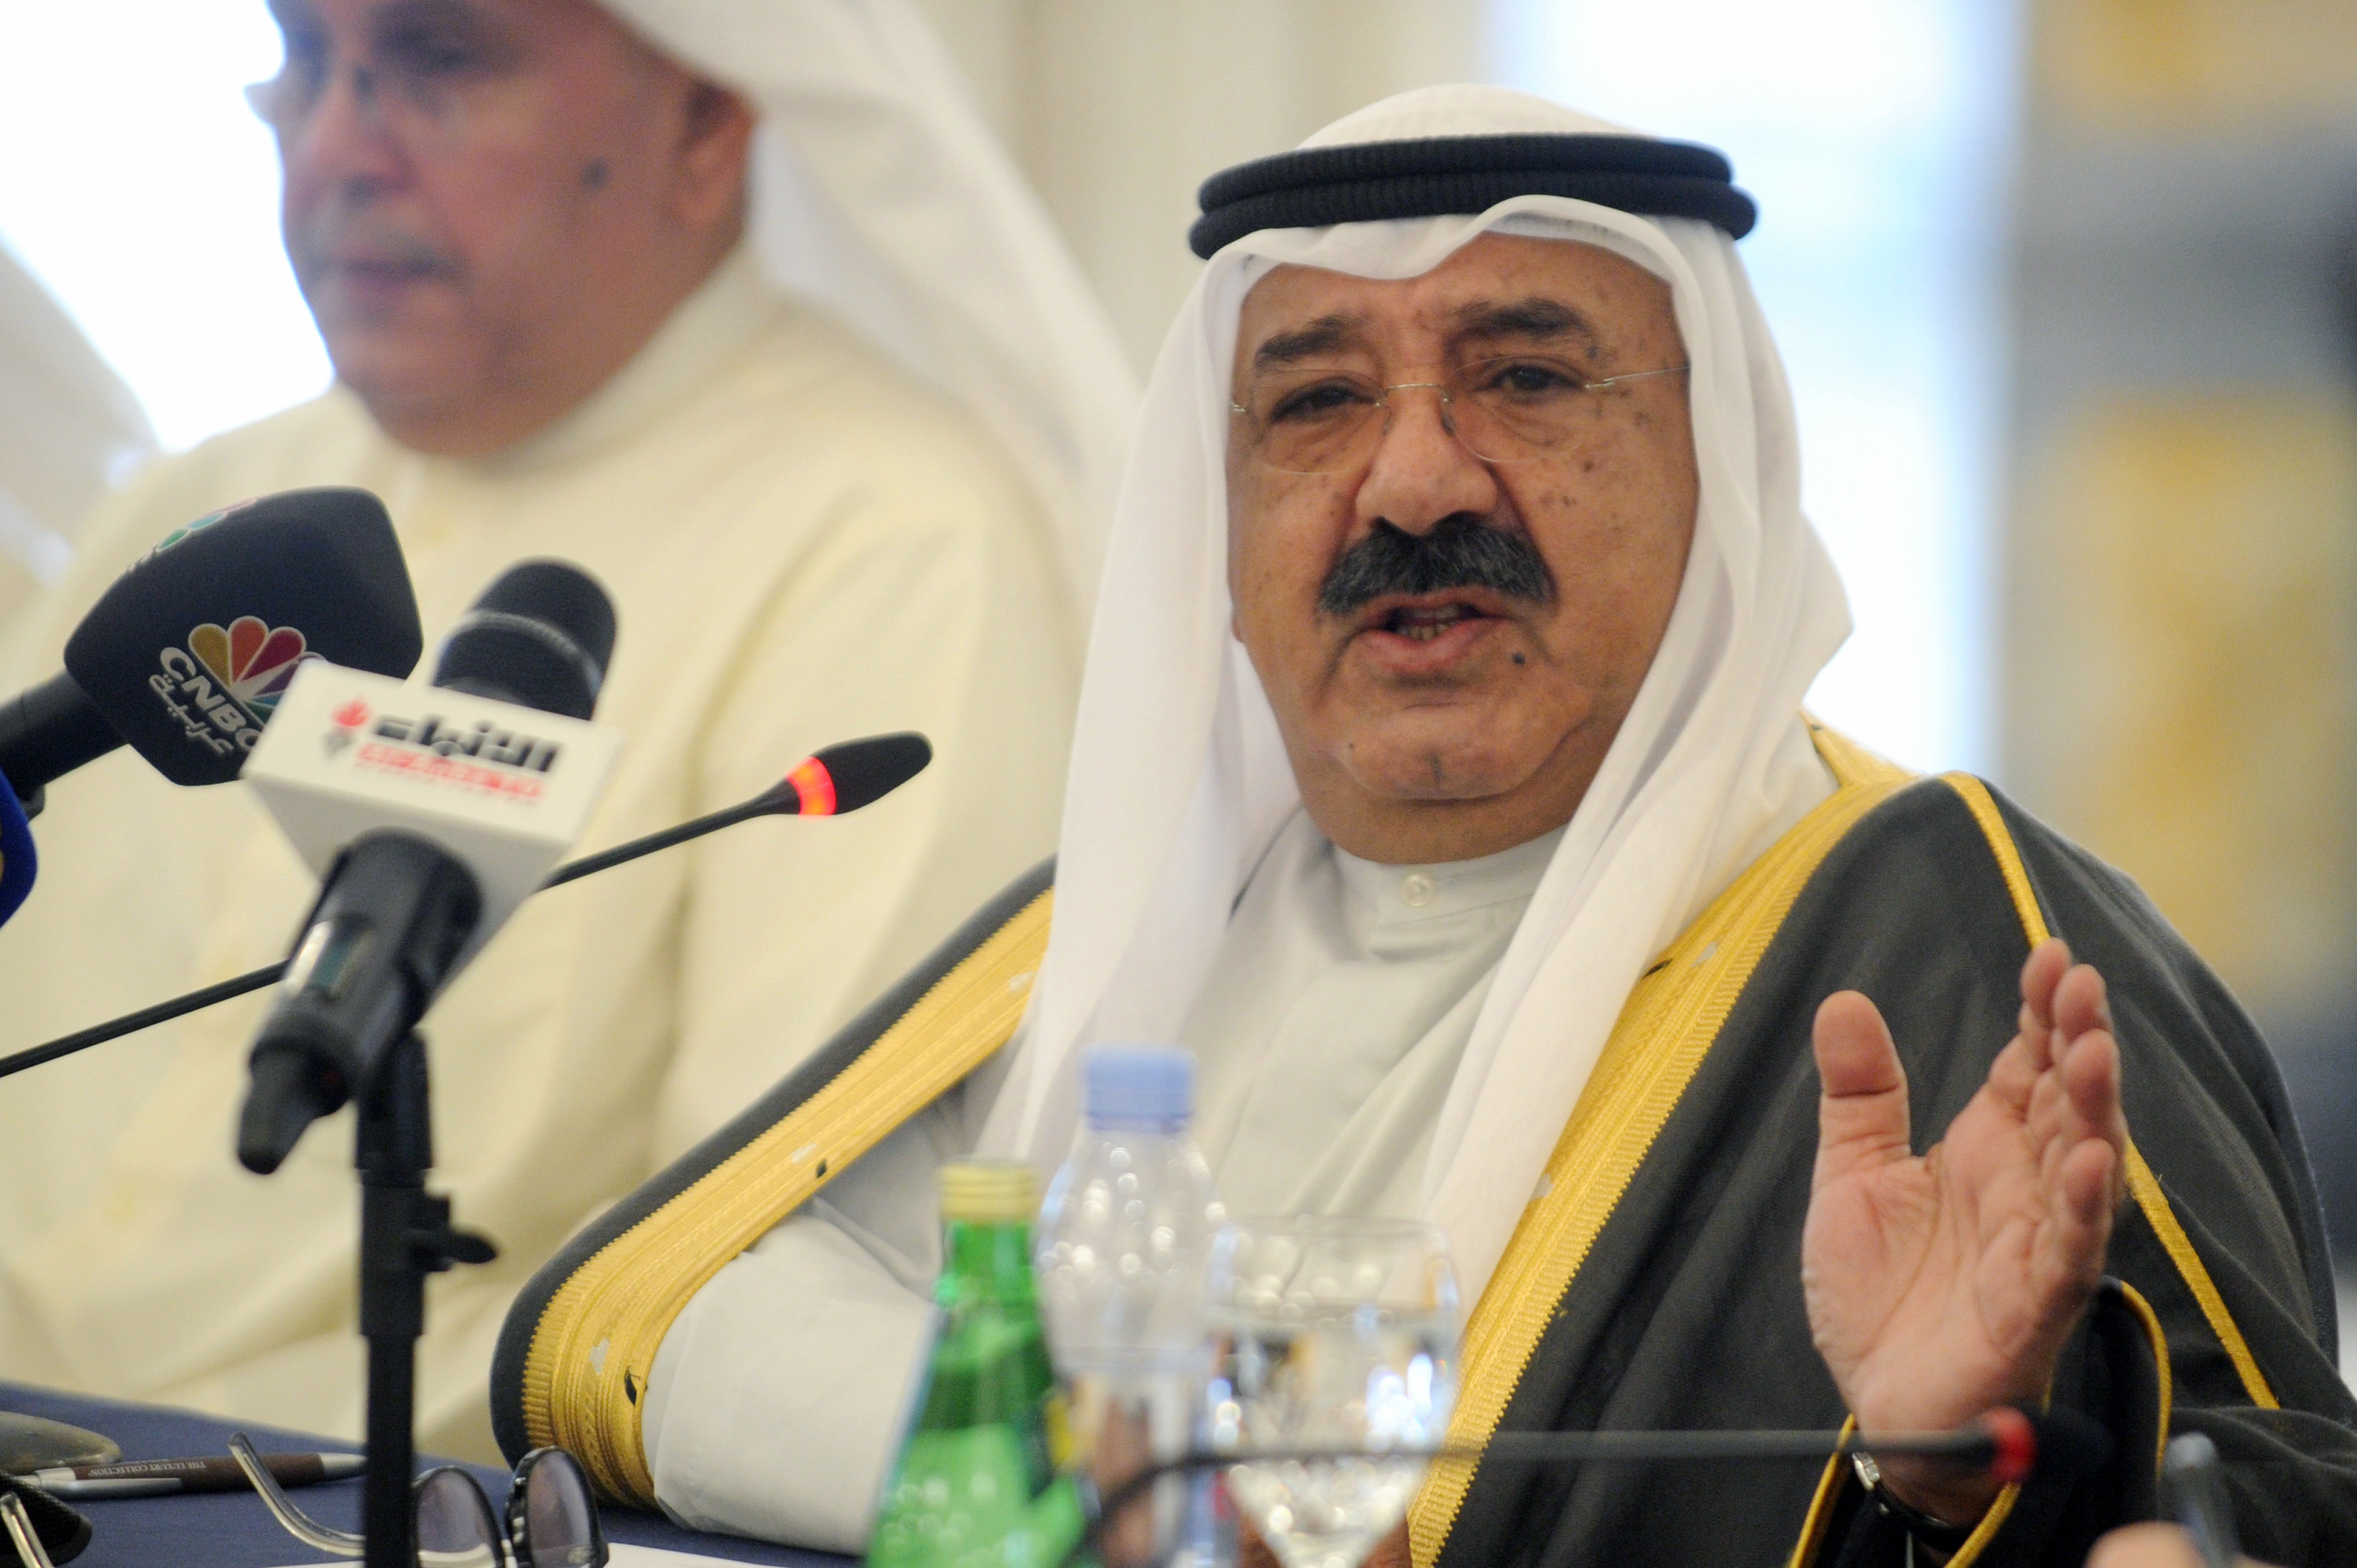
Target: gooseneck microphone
(856, 773)
(187, 655)
(829, 782)
(400, 907)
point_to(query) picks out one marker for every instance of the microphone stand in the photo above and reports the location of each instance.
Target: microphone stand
(405, 1231)
(405, 1235)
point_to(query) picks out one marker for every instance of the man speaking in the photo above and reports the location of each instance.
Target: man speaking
(738, 308)
(1441, 782)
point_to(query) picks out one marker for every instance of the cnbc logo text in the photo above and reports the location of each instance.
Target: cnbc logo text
(481, 757)
(223, 686)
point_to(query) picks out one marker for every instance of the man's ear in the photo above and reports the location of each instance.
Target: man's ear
(715, 146)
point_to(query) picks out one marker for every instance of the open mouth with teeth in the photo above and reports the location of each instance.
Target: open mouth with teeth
(1422, 623)
(1429, 635)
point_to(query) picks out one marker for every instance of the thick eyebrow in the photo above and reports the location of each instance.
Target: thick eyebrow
(1322, 336)
(1536, 319)
(413, 24)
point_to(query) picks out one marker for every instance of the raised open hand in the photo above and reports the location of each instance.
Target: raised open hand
(1943, 1285)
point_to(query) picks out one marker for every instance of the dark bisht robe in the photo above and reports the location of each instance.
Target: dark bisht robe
(1654, 1279)
(1679, 1303)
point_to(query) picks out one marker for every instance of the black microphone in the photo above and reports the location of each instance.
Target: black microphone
(398, 908)
(856, 772)
(187, 654)
(540, 636)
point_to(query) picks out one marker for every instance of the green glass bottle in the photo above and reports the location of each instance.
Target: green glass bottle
(978, 1483)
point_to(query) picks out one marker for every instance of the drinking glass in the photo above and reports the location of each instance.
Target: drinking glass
(1334, 1364)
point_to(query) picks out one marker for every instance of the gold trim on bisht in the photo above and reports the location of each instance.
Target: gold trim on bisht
(596, 1343)
(2143, 1185)
(1664, 1030)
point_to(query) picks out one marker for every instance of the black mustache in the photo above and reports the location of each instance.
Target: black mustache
(1460, 552)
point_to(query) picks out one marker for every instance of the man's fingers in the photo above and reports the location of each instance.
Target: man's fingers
(2091, 1076)
(2041, 974)
(2091, 1141)
(2082, 1001)
(1855, 1054)
(2089, 1053)
(2090, 1174)
(1862, 1115)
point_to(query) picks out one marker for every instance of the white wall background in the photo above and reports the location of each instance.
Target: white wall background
(1877, 136)
(138, 187)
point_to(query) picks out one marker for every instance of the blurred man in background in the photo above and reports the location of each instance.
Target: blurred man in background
(71, 425)
(745, 314)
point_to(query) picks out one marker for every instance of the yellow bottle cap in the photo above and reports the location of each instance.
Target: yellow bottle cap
(990, 1192)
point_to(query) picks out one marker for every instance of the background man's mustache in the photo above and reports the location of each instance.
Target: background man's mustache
(335, 230)
(1461, 552)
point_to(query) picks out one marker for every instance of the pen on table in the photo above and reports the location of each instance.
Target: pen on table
(159, 1477)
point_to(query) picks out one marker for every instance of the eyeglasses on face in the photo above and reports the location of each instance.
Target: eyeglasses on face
(414, 83)
(1313, 419)
(550, 1519)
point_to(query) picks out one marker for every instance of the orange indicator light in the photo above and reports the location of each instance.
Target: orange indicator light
(816, 787)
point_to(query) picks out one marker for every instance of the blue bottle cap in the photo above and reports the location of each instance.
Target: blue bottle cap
(1139, 1086)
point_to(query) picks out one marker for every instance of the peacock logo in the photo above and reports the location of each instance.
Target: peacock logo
(252, 661)
(224, 685)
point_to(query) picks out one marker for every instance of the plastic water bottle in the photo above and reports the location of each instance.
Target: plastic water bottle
(1123, 1239)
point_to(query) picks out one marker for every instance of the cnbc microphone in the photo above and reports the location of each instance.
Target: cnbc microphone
(431, 813)
(189, 653)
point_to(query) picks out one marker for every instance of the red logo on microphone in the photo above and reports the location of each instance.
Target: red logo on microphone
(348, 718)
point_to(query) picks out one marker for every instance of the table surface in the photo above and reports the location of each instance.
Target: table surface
(233, 1529)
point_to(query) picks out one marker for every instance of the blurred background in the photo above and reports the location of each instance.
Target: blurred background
(2067, 289)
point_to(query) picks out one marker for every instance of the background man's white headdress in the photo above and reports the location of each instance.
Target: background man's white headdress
(879, 194)
(74, 427)
(1178, 779)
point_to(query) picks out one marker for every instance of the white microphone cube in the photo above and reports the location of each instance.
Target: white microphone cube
(505, 788)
